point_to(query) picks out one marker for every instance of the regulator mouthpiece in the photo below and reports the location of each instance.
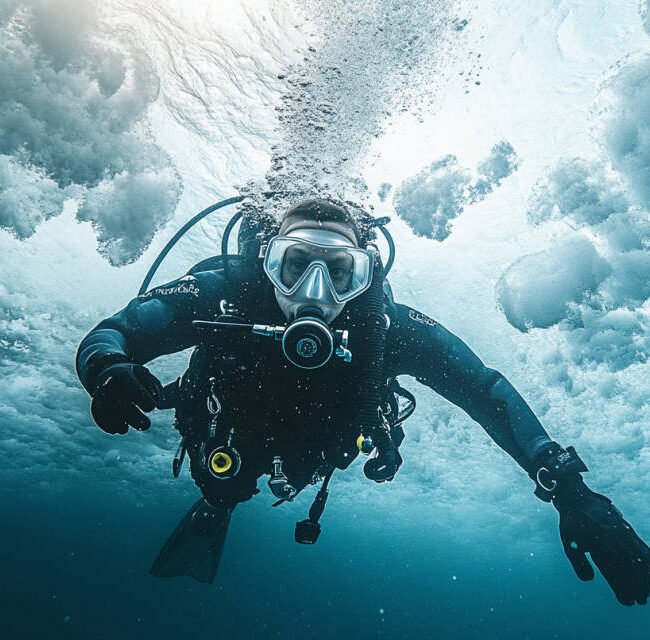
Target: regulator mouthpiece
(307, 532)
(308, 342)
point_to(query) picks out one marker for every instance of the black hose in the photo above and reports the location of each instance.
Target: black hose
(178, 235)
(224, 246)
(373, 330)
(227, 231)
(391, 249)
(383, 466)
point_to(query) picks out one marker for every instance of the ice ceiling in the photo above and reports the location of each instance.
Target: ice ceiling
(509, 141)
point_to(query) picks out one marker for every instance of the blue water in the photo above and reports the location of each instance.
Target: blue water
(78, 565)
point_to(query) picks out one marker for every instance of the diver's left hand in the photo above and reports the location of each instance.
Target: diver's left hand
(590, 523)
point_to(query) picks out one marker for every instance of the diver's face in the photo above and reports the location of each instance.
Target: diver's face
(338, 263)
(322, 263)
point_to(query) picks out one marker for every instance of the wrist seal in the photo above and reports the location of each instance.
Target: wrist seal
(553, 467)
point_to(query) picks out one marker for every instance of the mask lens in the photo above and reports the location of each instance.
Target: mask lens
(340, 265)
(294, 264)
(298, 258)
(288, 261)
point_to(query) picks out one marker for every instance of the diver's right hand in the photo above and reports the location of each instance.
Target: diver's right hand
(122, 393)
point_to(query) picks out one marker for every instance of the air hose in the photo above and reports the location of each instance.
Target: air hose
(384, 465)
(180, 233)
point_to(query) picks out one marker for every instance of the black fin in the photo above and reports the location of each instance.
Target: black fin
(194, 548)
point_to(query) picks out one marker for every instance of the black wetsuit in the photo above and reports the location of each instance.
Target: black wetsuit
(307, 417)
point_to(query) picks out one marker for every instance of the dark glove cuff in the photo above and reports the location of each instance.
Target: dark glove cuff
(555, 468)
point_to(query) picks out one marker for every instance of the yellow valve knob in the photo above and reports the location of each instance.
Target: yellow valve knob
(365, 445)
(220, 462)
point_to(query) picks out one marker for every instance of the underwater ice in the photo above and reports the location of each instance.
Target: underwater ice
(608, 201)
(72, 104)
(429, 201)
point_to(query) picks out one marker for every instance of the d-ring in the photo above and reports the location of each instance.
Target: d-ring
(553, 484)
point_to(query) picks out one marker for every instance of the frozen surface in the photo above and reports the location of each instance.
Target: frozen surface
(429, 201)
(74, 94)
(510, 141)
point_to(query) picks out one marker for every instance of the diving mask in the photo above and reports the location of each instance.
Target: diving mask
(316, 271)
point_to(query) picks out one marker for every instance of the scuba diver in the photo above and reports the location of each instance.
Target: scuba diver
(298, 345)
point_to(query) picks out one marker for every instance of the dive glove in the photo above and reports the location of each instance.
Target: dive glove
(122, 393)
(590, 523)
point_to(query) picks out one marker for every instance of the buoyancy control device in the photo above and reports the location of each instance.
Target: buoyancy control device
(307, 343)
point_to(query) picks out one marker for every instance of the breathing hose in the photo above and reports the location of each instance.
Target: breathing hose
(384, 465)
(179, 234)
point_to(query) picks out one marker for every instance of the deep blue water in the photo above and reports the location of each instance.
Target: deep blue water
(77, 564)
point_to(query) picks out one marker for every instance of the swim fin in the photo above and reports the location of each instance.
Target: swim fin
(194, 548)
